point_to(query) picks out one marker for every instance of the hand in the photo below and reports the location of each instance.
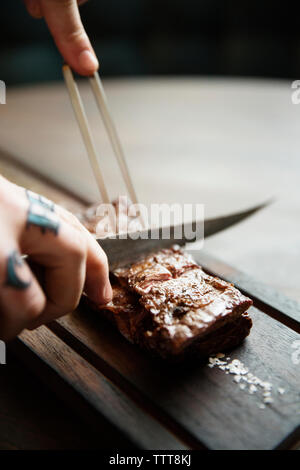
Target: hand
(63, 20)
(68, 256)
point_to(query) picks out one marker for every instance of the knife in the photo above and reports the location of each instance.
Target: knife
(123, 251)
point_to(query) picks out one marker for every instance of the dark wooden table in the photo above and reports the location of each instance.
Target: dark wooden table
(33, 418)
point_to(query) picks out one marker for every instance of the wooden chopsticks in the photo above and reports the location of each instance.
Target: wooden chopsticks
(85, 130)
(100, 96)
(84, 127)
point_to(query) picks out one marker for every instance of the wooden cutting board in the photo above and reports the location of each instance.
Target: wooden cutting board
(83, 359)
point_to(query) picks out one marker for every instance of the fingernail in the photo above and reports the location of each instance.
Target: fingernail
(107, 293)
(88, 61)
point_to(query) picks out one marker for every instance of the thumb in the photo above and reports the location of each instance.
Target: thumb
(64, 22)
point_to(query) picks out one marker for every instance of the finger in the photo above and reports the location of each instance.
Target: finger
(61, 250)
(97, 285)
(54, 237)
(64, 22)
(34, 8)
(21, 298)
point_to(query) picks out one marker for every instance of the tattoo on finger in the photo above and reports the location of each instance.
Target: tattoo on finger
(38, 198)
(14, 266)
(41, 213)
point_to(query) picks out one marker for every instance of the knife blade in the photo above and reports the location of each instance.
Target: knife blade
(122, 251)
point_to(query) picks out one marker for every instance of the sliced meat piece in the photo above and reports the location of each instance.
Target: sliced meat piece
(120, 218)
(166, 303)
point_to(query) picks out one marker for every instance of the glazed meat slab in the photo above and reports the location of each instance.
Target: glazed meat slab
(167, 304)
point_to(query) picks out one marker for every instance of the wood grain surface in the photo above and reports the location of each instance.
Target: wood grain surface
(201, 400)
(90, 393)
(32, 417)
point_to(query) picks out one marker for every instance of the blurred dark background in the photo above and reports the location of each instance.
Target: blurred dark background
(161, 37)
